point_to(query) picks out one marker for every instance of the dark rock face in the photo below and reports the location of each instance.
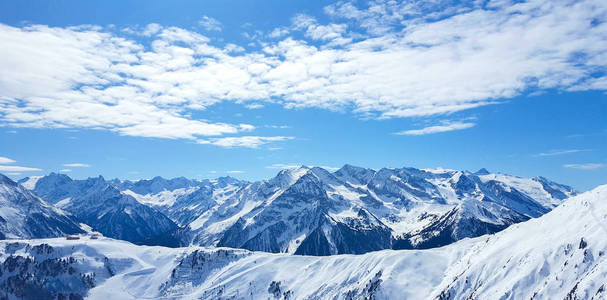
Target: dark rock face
(449, 228)
(316, 243)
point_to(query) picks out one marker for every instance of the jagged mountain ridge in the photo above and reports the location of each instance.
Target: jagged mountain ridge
(25, 215)
(311, 211)
(356, 210)
(561, 255)
(106, 209)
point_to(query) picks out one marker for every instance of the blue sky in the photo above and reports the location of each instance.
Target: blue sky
(134, 89)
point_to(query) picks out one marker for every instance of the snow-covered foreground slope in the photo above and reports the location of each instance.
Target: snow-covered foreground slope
(114, 269)
(558, 255)
(561, 255)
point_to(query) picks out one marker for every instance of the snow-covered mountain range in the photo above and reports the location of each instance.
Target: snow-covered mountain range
(25, 215)
(307, 210)
(105, 208)
(560, 255)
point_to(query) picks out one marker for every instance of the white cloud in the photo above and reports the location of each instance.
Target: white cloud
(254, 106)
(407, 64)
(65, 170)
(561, 152)
(77, 165)
(4, 168)
(330, 169)
(151, 29)
(278, 32)
(295, 166)
(244, 141)
(283, 166)
(302, 21)
(235, 172)
(587, 166)
(437, 128)
(210, 24)
(6, 160)
(13, 174)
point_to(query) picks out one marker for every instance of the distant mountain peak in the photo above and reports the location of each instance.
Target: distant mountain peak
(6, 180)
(482, 171)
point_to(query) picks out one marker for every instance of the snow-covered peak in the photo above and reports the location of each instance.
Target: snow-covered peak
(482, 171)
(25, 215)
(288, 177)
(541, 190)
(354, 175)
(439, 170)
(29, 182)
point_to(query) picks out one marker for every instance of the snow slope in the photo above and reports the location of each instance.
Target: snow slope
(120, 270)
(560, 255)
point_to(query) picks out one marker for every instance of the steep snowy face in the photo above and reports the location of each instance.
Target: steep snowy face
(561, 255)
(180, 199)
(25, 215)
(311, 211)
(55, 187)
(29, 182)
(102, 206)
(154, 185)
(354, 175)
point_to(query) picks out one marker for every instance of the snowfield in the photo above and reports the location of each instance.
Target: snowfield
(560, 255)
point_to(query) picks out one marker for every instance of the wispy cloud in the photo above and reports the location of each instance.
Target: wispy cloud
(331, 169)
(278, 126)
(12, 168)
(6, 160)
(77, 165)
(65, 170)
(254, 106)
(235, 172)
(295, 166)
(587, 166)
(244, 141)
(437, 129)
(279, 32)
(562, 152)
(5, 168)
(283, 166)
(210, 24)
